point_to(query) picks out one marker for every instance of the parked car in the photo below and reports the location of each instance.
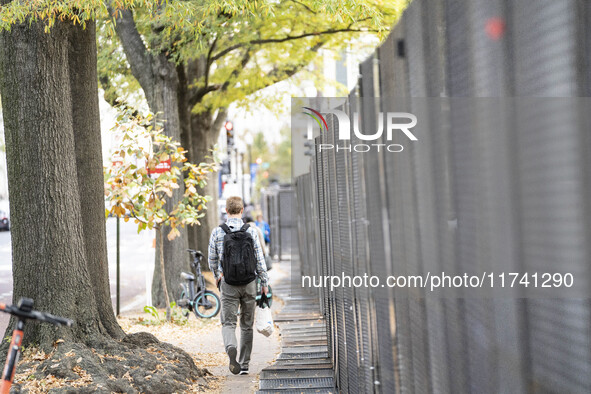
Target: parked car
(4, 221)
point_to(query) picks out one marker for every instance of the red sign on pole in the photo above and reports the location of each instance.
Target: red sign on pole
(161, 167)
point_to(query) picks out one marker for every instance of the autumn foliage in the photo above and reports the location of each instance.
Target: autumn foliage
(144, 171)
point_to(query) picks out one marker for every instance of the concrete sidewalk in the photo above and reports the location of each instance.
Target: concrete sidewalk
(303, 366)
(207, 345)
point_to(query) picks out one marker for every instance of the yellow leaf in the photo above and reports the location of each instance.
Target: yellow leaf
(119, 210)
(173, 234)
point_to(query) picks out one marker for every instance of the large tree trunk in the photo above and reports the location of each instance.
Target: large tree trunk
(48, 239)
(48, 82)
(89, 163)
(176, 259)
(159, 80)
(167, 90)
(204, 135)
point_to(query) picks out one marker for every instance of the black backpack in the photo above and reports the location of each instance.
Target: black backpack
(239, 264)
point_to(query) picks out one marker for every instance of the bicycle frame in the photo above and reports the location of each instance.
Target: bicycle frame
(12, 357)
(194, 288)
(199, 283)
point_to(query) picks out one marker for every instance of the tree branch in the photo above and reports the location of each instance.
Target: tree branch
(286, 38)
(198, 95)
(310, 10)
(278, 74)
(201, 92)
(237, 70)
(219, 120)
(136, 52)
(209, 59)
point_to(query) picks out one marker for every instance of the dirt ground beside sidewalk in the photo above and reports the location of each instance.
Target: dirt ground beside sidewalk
(202, 339)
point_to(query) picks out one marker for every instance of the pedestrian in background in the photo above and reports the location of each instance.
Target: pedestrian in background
(264, 226)
(253, 224)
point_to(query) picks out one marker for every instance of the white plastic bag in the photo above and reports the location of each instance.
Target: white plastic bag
(264, 321)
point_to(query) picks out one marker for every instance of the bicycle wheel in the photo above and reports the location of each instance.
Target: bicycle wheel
(206, 305)
(188, 308)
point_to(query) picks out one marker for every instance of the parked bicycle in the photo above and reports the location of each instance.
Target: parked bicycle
(195, 297)
(23, 311)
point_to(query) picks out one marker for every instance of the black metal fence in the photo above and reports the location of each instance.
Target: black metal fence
(520, 201)
(278, 207)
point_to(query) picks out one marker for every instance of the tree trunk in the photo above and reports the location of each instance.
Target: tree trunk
(163, 275)
(89, 164)
(58, 247)
(184, 112)
(48, 238)
(204, 136)
(159, 80)
(164, 102)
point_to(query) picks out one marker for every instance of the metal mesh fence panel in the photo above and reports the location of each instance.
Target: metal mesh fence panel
(546, 45)
(417, 311)
(358, 246)
(379, 248)
(551, 201)
(327, 268)
(390, 375)
(472, 193)
(344, 221)
(394, 89)
(337, 252)
(369, 332)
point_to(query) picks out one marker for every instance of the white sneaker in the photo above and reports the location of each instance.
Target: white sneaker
(244, 371)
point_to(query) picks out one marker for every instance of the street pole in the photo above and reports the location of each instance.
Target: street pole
(118, 271)
(250, 185)
(242, 177)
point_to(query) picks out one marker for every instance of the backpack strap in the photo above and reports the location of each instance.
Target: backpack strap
(226, 228)
(245, 227)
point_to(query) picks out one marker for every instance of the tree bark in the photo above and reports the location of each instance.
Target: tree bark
(89, 164)
(176, 258)
(184, 111)
(204, 135)
(49, 93)
(48, 236)
(159, 80)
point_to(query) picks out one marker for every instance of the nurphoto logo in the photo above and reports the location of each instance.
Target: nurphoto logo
(396, 123)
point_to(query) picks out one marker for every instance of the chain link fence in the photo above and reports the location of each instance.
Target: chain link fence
(519, 201)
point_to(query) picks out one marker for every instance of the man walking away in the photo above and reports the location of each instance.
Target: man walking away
(236, 259)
